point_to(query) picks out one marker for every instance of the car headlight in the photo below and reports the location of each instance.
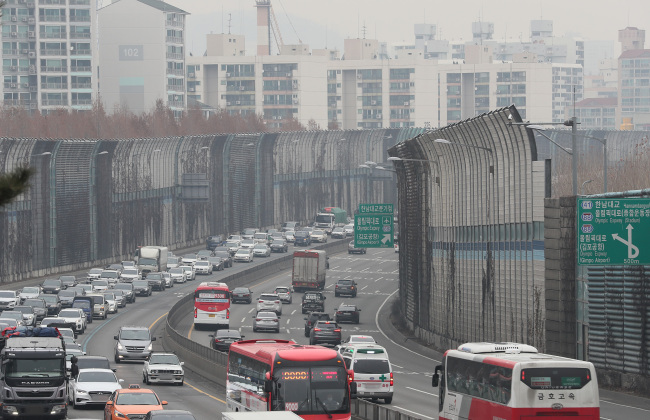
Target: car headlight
(150, 347)
(119, 346)
(81, 391)
(178, 372)
(120, 414)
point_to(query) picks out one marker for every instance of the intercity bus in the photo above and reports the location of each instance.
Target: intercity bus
(511, 381)
(212, 305)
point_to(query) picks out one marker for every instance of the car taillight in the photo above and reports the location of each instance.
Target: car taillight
(351, 287)
(227, 313)
(339, 313)
(316, 329)
(337, 330)
(391, 379)
(261, 301)
(194, 312)
(257, 319)
(276, 320)
(336, 287)
(277, 301)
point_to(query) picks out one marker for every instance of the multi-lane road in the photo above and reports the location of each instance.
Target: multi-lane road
(376, 274)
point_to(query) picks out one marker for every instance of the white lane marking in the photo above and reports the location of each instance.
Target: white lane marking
(387, 338)
(364, 287)
(288, 332)
(294, 311)
(252, 309)
(378, 278)
(288, 320)
(243, 320)
(400, 367)
(414, 412)
(417, 390)
(623, 405)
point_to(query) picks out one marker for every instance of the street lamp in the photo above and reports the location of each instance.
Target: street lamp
(582, 188)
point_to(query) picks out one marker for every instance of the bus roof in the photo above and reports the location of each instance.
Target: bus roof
(212, 284)
(266, 350)
(502, 347)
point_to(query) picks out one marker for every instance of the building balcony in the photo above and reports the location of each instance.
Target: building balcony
(79, 18)
(82, 102)
(47, 18)
(81, 69)
(53, 35)
(52, 2)
(176, 104)
(174, 56)
(175, 23)
(82, 86)
(176, 88)
(174, 39)
(79, 35)
(81, 52)
(53, 69)
(54, 102)
(176, 72)
(79, 2)
(49, 52)
(54, 85)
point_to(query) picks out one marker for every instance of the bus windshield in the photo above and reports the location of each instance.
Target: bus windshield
(311, 390)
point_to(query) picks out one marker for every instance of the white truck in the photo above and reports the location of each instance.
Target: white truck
(151, 259)
(309, 267)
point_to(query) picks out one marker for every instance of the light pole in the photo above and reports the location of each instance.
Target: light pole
(582, 188)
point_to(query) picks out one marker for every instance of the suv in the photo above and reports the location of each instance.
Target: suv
(313, 302)
(345, 287)
(269, 302)
(156, 281)
(348, 313)
(133, 343)
(212, 242)
(325, 332)
(301, 238)
(128, 290)
(312, 318)
(285, 294)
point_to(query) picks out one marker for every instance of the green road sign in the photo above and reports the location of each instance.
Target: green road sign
(613, 231)
(376, 209)
(373, 230)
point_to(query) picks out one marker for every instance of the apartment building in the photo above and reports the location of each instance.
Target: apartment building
(48, 56)
(142, 56)
(634, 88)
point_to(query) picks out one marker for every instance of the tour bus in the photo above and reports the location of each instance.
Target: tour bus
(280, 375)
(512, 381)
(212, 305)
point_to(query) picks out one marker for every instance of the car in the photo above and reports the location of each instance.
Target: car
(39, 305)
(233, 246)
(212, 242)
(132, 403)
(338, 233)
(93, 362)
(289, 226)
(311, 319)
(8, 323)
(244, 255)
(354, 250)
(68, 333)
(130, 274)
(396, 247)
(141, 288)
(173, 262)
(223, 253)
(67, 296)
(93, 274)
(53, 303)
(79, 291)
(68, 281)
(69, 353)
(128, 289)
(29, 292)
(163, 368)
(222, 339)
(52, 286)
(17, 315)
(313, 301)
(261, 250)
(248, 233)
(325, 332)
(29, 317)
(241, 294)
(269, 302)
(92, 387)
(99, 285)
(203, 267)
(284, 293)
(74, 316)
(190, 273)
(247, 243)
(169, 282)
(279, 245)
(347, 313)
(178, 274)
(9, 299)
(235, 238)
(100, 305)
(302, 238)
(156, 281)
(169, 415)
(128, 264)
(115, 267)
(189, 259)
(120, 297)
(289, 236)
(265, 320)
(349, 229)
(345, 287)
(217, 263)
(203, 255)
(318, 235)
(111, 301)
(112, 276)
(355, 339)
(88, 288)
(133, 343)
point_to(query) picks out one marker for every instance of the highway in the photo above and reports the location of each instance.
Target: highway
(377, 277)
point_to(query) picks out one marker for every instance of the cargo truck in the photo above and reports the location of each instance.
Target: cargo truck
(330, 217)
(151, 259)
(34, 382)
(309, 267)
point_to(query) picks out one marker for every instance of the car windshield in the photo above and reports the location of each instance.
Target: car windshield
(154, 276)
(96, 283)
(312, 390)
(248, 232)
(268, 297)
(222, 254)
(24, 309)
(278, 242)
(137, 398)
(266, 315)
(201, 264)
(69, 313)
(326, 326)
(347, 308)
(96, 377)
(177, 270)
(110, 274)
(361, 340)
(34, 302)
(122, 286)
(81, 304)
(48, 298)
(67, 293)
(260, 246)
(15, 315)
(30, 290)
(243, 252)
(163, 359)
(173, 260)
(241, 290)
(281, 290)
(135, 335)
(130, 272)
(228, 334)
(345, 282)
(301, 234)
(7, 294)
(95, 271)
(232, 243)
(189, 256)
(109, 296)
(140, 283)
(52, 283)
(68, 278)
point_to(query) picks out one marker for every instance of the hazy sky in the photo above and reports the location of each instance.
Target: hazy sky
(328, 22)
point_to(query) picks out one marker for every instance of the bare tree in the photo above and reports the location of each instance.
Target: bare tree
(13, 184)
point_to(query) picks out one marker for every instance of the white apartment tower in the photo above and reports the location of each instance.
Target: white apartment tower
(142, 55)
(48, 57)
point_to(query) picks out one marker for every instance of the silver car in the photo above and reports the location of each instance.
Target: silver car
(284, 293)
(318, 235)
(261, 250)
(266, 321)
(244, 255)
(130, 274)
(203, 267)
(178, 275)
(269, 302)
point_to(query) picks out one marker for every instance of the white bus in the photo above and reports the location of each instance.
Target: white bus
(511, 381)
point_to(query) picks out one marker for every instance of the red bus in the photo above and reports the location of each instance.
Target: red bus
(212, 304)
(512, 381)
(280, 375)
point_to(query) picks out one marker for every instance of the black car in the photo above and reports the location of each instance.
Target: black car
(312, 318)
(279, 245)
(241, 294)
(169, 415)
(222, 252)
(325, 332)
(68, 281)
(213, 242)
(354, 250)
(156, 281)
(128, 289)
(347, 313)
(141, 288)
(302, 238)
(217, 263)
(53, 303)
(313, 302)
(52, 286)
(222, 339)
(345, 287)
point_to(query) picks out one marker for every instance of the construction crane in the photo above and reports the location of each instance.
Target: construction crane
(274, 27)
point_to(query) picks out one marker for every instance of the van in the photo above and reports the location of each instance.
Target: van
(100, 305)
(86, 304)
(373, 372)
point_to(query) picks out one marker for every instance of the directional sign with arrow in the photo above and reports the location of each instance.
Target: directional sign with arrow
(602, 238)
(373, 230)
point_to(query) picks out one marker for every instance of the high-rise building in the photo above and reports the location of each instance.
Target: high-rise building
(48, 54)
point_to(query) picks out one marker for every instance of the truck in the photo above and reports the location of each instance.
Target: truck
(330, 217)
(34, 381)
(151, 259)
(309, 267)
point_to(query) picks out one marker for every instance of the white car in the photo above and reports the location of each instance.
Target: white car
(261, 250)
(269, 302)
(189, 259)
(92, 387)
(349, 229)
(190, 274)
(163, 368)
(233, 246)
(9, 299)
(289, 236)
(173, 262)
(178, 275)
(75, 316)
(248, 243)
(94, 274)
(244, 255)
(30, 292)
(111, 276)
(130, 274)
(318, 235)
(111, 301)
(203, 267)
(169, 282)
(99, 285)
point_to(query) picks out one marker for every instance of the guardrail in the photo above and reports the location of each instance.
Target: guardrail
(211, 363)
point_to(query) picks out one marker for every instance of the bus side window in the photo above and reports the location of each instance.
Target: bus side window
(505, 384)
(443, 384)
